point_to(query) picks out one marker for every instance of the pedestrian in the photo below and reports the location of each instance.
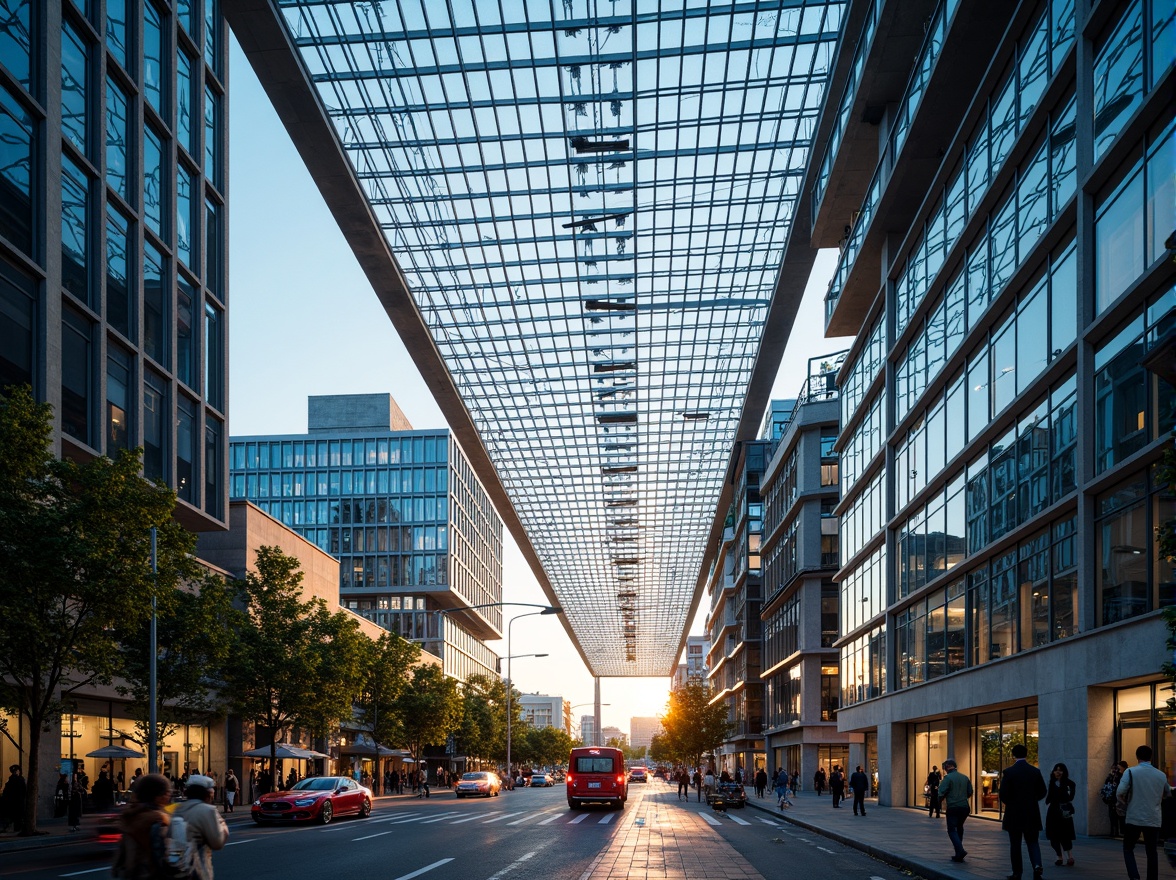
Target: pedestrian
(955, 792)
(206, 827)
(423, 783)
(74, 812)
(708, 782)
(61, 796)
(231, 786)
(859, 783)
(739, 775)
(1021, 787)
(135, 858)
(724, 776)
(794, 782)
(12, 800)
(931, 788)
(837, 786)
(1108, 797)
(1141, 793)
(103, 792)
(819, 781)
(683, 784)
(1059, 814)
(761, 782)
(698, 784)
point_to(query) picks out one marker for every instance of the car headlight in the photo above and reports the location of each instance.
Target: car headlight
(257, 803)
(305, 802)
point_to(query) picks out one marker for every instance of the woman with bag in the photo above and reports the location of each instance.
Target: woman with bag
(1059, 814)
(1107, 794)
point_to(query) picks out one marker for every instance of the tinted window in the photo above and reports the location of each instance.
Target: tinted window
(594, 765)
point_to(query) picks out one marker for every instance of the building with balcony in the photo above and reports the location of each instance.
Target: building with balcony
(418, 540)
(1002, 193)
(800, 488)
(733, 620)
(694, 669)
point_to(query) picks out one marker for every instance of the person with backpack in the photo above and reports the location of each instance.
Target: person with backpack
(205, 830)
(143, 825)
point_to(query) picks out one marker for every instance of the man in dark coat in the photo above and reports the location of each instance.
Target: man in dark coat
(1021, 787)
(837, 786)
(859, 784)
(761, 781)
(12, 800)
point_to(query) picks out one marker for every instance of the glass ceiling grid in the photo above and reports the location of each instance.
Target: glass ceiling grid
(590, 201)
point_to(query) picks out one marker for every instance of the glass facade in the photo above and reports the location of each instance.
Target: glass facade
(405, 516)
(93, 180)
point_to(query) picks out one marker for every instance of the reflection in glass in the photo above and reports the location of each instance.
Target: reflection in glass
(118, 389)
(155, 426)
(117, 30)
(185, 221)
(211, 143)
(153, 58)
(16, 38)
(75, 375)
(185, 352)
(119, 309)
(185, 103)
(75, 80)
(185, 449)
(117, 139)
(155, 312)
(153, 177)
(16, 163)
(75, 206)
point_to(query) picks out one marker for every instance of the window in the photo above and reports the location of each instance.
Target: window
(1118, 240)
(212, 37)
(119, 305)
(117, 30)
(154, 176)
(18, 310)
(1118, 77)
(185, 330)
(187, 132)
(186, 450)
(155, 426)
(17, 152)
(76, 366)
(75, 91)
(212, 249)
(155, 312)
(16, 39)
(117, 138)
(118, 391)
(186, 216)
(212, 466)
(211, 135)
(154, 55)
(75, 239)
(214, 357)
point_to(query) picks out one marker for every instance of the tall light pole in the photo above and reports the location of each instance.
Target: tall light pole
(548, 609)
(596, 718)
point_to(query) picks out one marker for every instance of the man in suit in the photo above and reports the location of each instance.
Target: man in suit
(1021, 787)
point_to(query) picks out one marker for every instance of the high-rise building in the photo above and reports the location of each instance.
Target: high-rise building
(419, 542)
(588, 730)
(113, 289)
(800, 613)
(642, 730)
(1005, 217)
(541, 710)
(694, 669)
(615, 734)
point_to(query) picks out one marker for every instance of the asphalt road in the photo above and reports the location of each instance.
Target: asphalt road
(527, 834)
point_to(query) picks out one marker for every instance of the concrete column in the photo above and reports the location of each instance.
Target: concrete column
(892, 765)
(1092, 765)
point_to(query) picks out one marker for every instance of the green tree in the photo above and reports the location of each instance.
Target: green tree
(74, 567)
(428, 710)
(195, 635)
(549, 746)
(659, 751)
(389, 668)
(692, 725)
(297, 664)
(481, 732)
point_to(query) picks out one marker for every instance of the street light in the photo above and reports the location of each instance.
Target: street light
(546, 609)
(595, 720)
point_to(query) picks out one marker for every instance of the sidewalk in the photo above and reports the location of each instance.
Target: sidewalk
(908, 838)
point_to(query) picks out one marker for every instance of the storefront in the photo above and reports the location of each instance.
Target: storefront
(926, 748)
(1143, 718)
(993, 736)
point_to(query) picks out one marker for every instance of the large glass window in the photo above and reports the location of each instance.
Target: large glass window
(155, 311)
(17, 152)
(154, 176)
(118, 30)
(1123, 541)
(76, 370)
(213, 356)
(155, 51)
(185, 332)
(1118, 240)
(212, 466)
(75, 238)
(1118, 77)
(212, 249)
(18, 309)
(16, 24)
(156, 426)
(211, 135)
(187, 222)
(212, 34)
(1161, 190)
(75, 92)
(186, 449)
(118, 396)
(186, 128)
(119, 302)
(117, 139)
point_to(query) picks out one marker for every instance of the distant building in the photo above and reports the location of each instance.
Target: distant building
(607, 733)
(642, 730)
(588, 730)
(694, 669)
(416, 535)
(542, 711)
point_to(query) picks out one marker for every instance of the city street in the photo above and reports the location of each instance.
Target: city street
(522, 834)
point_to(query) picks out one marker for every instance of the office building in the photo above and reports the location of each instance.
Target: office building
(542, 711)
(1005, 217)
(113, 288)
(642, 730)
(800, 673)
(588, 730)
(615, 734)
(694, 669)
(419, 543)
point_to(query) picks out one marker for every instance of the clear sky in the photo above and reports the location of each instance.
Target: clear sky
(304, 320)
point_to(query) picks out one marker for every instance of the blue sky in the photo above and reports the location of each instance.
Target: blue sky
(304, 320)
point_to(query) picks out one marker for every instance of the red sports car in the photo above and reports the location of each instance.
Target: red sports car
(314, 799)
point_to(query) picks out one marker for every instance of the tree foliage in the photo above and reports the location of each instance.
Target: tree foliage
(547, 746)
(74, 567)
(428, 710)
(692, 725)
(481, 731)
(297, 664)
(390, 661)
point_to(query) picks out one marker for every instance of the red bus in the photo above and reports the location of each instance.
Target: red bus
(597, 774)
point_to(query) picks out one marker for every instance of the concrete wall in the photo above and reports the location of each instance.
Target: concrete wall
(354, 413)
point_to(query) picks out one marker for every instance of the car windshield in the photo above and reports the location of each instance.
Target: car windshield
(320, 783)
(475, 776)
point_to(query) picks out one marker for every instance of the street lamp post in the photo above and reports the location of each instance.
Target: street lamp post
(595, 718)
(549, 609)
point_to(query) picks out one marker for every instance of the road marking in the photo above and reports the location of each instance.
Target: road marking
(423, 819)
(710, 819)
(334, 828)
(608, 817)
(829, 851)
(370, 836)
(91, 871)
(440, 818)
(552, 819)
(768, 822)
(738, 821)
(528, 818)
(512, 865)
(579, 819)
(503, 816)
(425, 869)
(249, 840)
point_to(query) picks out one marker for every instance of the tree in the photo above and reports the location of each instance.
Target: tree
(548, 746)
(297, 664)
(428, 710)
(658, 751)
(692, 725)
(74, 566)
(195, 634)
(389, 666)
(481, 731)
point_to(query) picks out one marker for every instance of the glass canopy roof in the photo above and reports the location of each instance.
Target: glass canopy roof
(590, 202)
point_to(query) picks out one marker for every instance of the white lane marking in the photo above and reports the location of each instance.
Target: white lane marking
(91, 871)
(425, 869)
(738, 821)
(248, 840)
(608, 817)
(426, 818)
(334, 828)
(528, 818)
(711, 820)
(468, 819)
(440, 818)
(370, 836)
(552, 819)
(579, 819)
(503, 816)
(829, 851)
(513, 865)
(768, 822)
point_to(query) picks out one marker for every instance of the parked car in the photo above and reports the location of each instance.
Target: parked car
(480, 783)
(314, 799)
(541, 780)
(638, 774)
(727, 794)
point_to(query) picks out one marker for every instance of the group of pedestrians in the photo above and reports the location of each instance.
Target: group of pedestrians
(1138, 794)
